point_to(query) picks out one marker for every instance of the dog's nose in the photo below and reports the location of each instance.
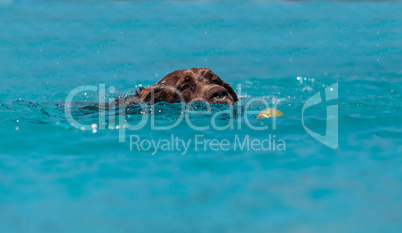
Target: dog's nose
(217, 92)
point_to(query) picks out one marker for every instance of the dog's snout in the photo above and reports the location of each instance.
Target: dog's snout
(217, 92)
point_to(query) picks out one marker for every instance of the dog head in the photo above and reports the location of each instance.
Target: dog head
(190, 85)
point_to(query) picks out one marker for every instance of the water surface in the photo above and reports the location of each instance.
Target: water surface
(55, 178)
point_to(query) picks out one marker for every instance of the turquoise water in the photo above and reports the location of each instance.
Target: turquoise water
(56, 178)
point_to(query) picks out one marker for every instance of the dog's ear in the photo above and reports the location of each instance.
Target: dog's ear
(231, 91)
(159, 94)
(144, 93)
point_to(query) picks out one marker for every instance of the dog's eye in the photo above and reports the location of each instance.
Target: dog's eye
(216, 81)
(184, 87)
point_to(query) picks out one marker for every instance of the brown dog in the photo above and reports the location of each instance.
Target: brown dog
(187, 85)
